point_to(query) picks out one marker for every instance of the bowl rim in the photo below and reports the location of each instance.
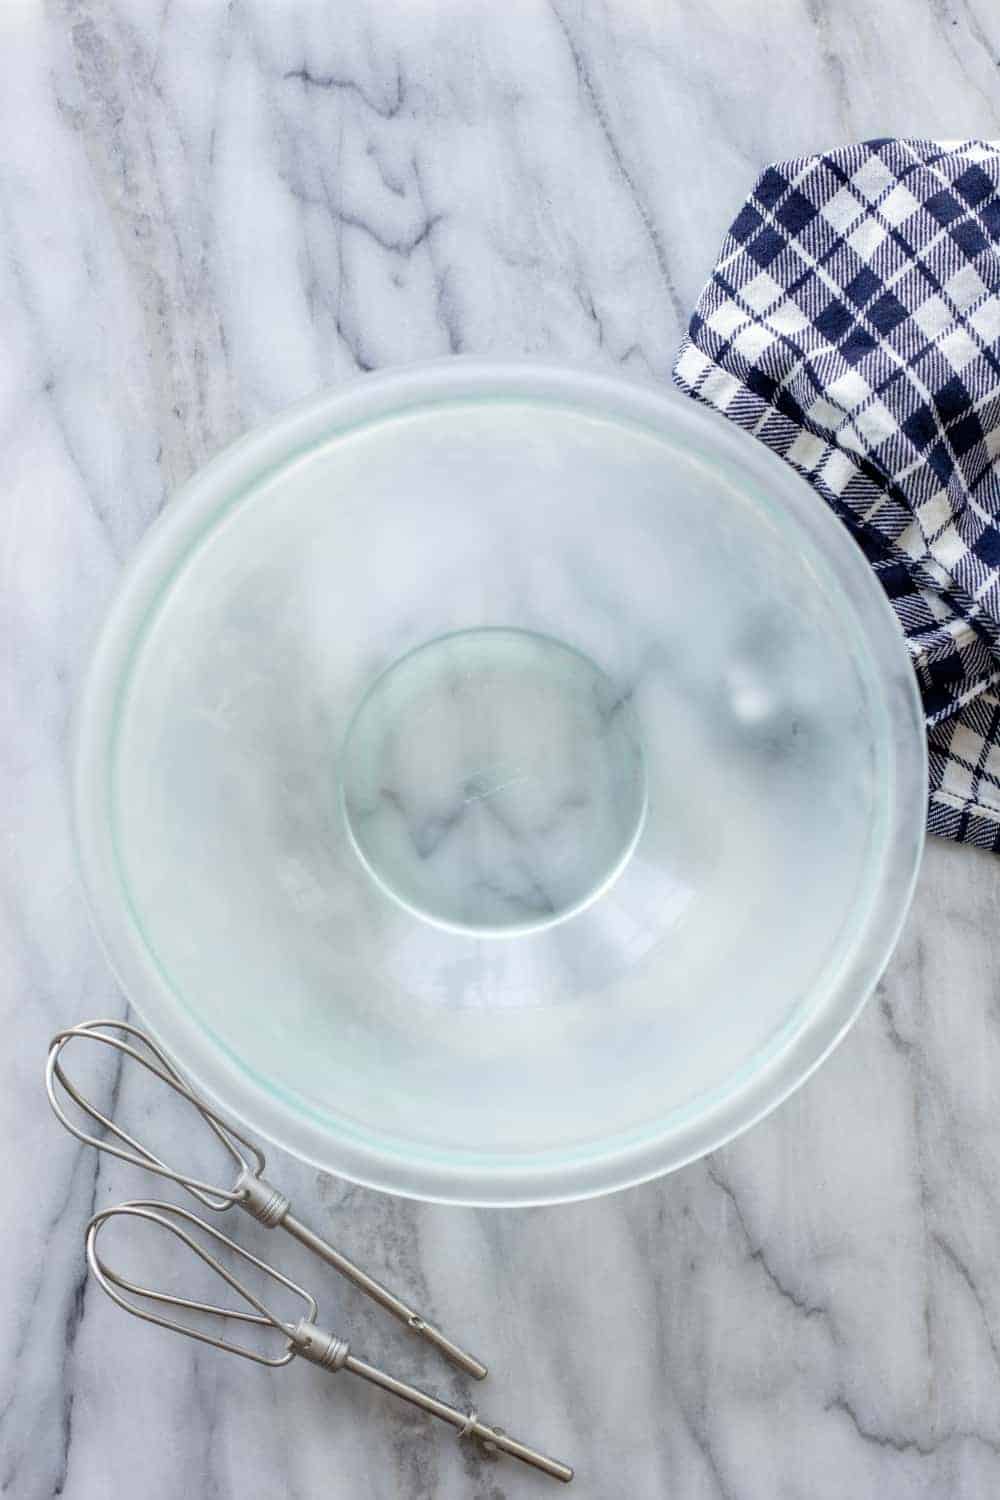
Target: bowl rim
(235, 1091)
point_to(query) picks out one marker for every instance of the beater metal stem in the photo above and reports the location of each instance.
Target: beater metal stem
(383, 1296)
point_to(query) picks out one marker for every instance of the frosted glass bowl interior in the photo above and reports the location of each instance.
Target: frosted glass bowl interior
(499, 783)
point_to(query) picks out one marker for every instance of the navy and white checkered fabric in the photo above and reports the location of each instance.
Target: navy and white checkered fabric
(853, 325)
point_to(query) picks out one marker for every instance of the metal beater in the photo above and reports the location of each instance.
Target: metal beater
(250, 1191)
(302, 1338)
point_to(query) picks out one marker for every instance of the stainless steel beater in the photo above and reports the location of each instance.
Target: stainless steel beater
(250, 1191)
(303, 1337)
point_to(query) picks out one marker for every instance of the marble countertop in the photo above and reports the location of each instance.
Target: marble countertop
(207, 211)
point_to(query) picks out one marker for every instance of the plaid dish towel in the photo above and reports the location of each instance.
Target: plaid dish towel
(853, 325)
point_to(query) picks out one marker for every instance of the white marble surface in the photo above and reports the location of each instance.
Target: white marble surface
(207, 211)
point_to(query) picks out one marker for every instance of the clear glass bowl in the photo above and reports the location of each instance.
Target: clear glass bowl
(499, 783)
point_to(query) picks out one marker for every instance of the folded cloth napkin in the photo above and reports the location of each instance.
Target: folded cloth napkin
(852, 323)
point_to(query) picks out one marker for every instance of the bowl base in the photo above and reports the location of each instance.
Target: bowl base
(492, 781)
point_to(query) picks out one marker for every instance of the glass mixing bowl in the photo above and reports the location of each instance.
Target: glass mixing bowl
(499, 783)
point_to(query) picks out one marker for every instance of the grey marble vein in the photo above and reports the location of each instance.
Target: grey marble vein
(206, 212)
